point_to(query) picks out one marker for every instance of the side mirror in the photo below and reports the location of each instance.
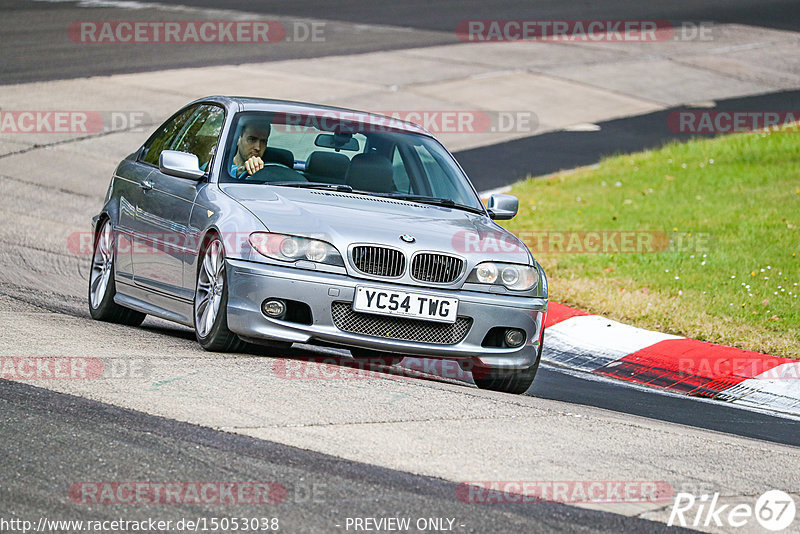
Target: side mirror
(503, 207)
(180, 164)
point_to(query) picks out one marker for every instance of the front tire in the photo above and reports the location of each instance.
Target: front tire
(514, 381)
(102, 287)
(211, 302)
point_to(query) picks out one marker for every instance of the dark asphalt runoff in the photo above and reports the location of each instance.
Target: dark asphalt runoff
(52, 441)
(502, 164)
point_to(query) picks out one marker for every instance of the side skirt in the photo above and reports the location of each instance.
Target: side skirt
(152, 303)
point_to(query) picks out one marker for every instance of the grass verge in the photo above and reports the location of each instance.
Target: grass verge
(700, 239)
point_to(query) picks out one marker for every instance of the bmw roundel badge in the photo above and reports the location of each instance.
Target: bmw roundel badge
(408, 238)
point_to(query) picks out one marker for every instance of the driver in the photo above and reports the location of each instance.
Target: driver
(250, 148)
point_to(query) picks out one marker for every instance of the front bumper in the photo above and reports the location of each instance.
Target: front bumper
(250, 283)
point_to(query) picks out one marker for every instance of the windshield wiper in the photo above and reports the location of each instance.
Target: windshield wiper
(314, 185)
(435, 201)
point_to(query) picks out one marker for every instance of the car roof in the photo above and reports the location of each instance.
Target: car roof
(306, 108)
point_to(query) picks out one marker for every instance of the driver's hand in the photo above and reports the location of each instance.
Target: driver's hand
(253, 165)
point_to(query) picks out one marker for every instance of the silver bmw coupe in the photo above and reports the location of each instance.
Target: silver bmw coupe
(274, 222)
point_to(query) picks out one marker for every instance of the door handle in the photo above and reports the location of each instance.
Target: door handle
(147, 185)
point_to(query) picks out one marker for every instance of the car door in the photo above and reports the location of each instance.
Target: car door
(163, 242)
(126, 186)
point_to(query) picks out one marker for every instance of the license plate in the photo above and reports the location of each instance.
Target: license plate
(403, 304)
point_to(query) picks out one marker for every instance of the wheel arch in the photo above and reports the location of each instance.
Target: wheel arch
(209, 234)
(98, 221)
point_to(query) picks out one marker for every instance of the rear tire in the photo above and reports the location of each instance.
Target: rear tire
(211, 302)
(102, 287)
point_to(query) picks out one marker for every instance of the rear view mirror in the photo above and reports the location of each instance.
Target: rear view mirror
(337, 141)
(503, 207)
(180, 164)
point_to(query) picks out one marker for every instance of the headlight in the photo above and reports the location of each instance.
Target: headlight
(486, 273)
(290, 248)
(512, 276)
(317, 251)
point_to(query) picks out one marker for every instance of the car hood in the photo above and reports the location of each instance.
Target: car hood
(344, 218)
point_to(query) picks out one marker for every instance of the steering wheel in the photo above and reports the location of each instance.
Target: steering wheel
(277, 172)
(242, 172)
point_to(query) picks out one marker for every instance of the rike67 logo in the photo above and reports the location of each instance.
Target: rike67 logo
(774, 510)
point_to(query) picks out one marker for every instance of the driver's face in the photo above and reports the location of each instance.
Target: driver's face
(252, 142)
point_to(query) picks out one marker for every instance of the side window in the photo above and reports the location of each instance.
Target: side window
(201, 135)
(163, 138)
(399, 173)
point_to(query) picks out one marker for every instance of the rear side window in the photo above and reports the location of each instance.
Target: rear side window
(163, 138)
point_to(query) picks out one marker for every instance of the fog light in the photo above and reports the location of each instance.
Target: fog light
(273, 308)
(514, 337)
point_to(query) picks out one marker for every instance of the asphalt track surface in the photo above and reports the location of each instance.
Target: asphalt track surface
(95, 442)
(50, 440)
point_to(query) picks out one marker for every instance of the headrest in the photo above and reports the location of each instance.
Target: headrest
(279, 155)
(371, 172)
(328, 164)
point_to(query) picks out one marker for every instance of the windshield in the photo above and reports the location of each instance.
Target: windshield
(344, 153)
